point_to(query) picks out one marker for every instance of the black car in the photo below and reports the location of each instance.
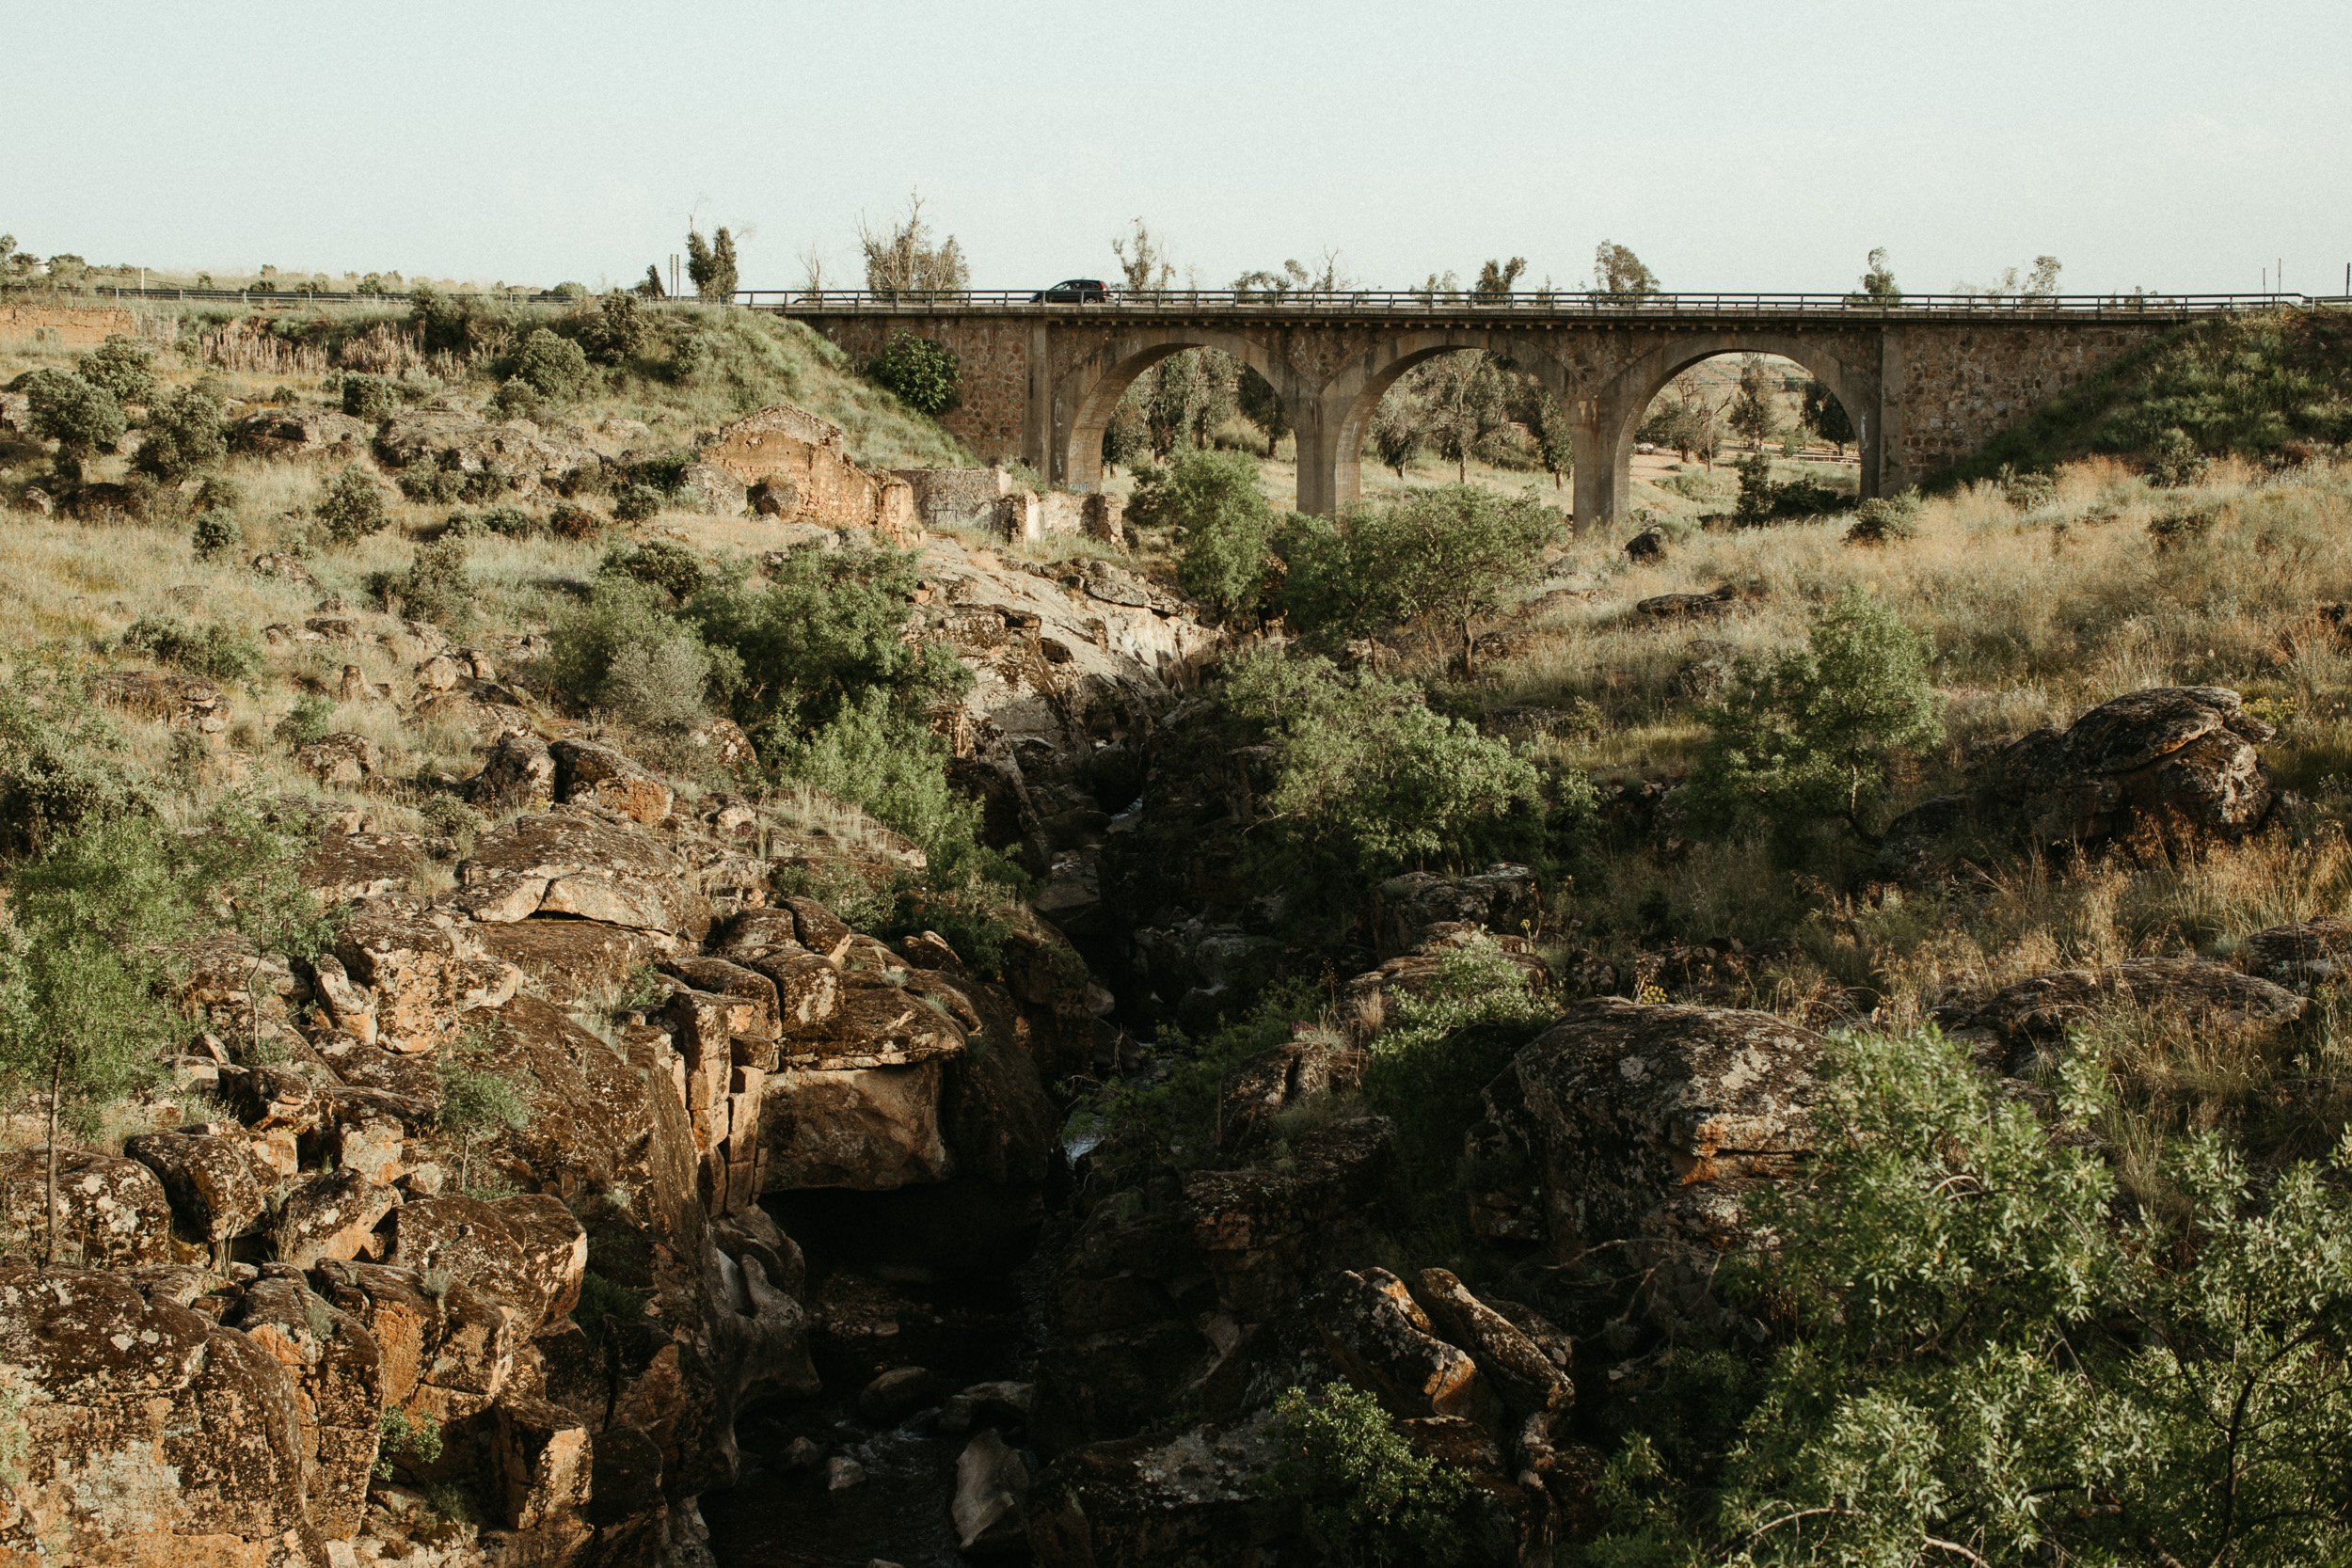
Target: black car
(1074, 290)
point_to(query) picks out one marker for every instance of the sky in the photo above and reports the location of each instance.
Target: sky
(2183, 147)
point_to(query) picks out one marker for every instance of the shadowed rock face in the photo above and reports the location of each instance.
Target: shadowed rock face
(2034, 1014)
(1625, 1123)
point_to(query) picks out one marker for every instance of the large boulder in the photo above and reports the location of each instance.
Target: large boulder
(574, 862)
(1645, 1125)
(145, 1433)
(1381, 1341)
(215, 1185)
(1199, 1497)
(2304, 954)
(2168, 767)
(336, 1375)
(2037, 1013)
(112, 1213)
(1502, 899)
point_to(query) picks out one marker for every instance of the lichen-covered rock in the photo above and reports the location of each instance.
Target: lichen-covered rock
(423, 971)
(1202, 1498)
(336, 1375)
(2168, 767)
(1286, 1078)
(112, 1213)
(992, 1496)
(518, 773)
(215, 1185)
(1520, 1372)
(344, 760)
(570, 861)
(1644, 1124)
(330, 1215)
(1502, 899)
(351, 867)
(2038, 1012)
(2304, 954)
(148, 1434)
(526, 1250)
(1380, 1340)
(593, 774)
(184, 701)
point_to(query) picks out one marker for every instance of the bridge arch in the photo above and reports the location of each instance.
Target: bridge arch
(1087, 394)
(1603, 482)
(1351, 397)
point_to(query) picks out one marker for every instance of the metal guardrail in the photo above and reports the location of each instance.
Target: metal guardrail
(1417, 302)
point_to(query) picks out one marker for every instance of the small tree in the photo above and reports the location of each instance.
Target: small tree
(478, 1101)
(1618, 274)
(1436, 558)
(924, 372)
(91, 931)
(649, 286)
(1396, 428)
(1143, 262)
(1878, 283)
(183, 435)
(123, 366)
(353, 507)
(1462, 400)
(1753, 414)
(1496, 278)
(1826, 417)
(1369, 1496)
(711, 264)
(81, 417)
(1806, 734)
(1214, 498)
(904, 258)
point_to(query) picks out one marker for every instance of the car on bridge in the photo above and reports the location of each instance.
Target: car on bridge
(1074, 290)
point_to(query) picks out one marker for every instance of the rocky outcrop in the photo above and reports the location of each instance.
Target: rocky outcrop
(2302, 955)
(2170, 767)
(2037, 1014)
(802, 464)
(110, 1212)
(1644, 1126)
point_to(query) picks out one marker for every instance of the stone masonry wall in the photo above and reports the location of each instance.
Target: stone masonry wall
(994, 357)
(1960, 386)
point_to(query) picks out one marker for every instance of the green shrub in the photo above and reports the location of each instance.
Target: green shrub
(217, 533)
(1441, 560)
(1212, 500)
(554, 367)
(59, 764)
(658, 563)
(1369, 1497)
(891, 766)
(1986, 1344)
(925, 374)
(370, 397)
(81, 417)
(617, 331)
(1365, 781)
(2174, 460)
(825, 628)
(1805, 736)
(213, 650)
(307, 723)
(124, 367)
(436, 587)
(1881, 520)
(401, 1440)
(353, 507)
(434, 481)
(1438, 1048)
(478, 1101)
(634, 502)
(183, 435)
(512, 522)
(622, 652)
(1754, 504)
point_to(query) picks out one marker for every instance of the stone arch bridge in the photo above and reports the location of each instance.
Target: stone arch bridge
(1925, 381)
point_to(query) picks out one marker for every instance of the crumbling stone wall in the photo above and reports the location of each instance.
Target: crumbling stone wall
(991, 418)
(800, 471)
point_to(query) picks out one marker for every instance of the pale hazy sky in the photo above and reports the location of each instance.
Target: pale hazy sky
(1734, 146)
